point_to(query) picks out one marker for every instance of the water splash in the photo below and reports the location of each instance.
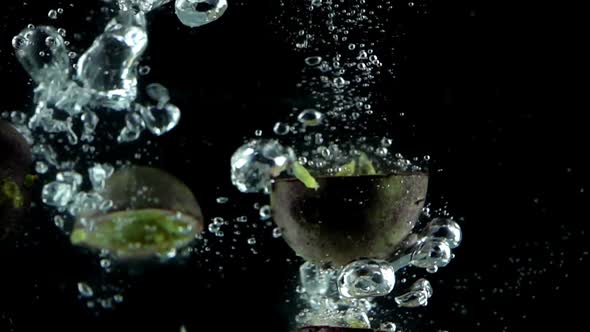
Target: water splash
(109, 67)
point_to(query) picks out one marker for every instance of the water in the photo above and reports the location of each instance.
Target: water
(255, 164)
(317, 280)
(195, 13)
(446, 230)
(313, 61)
(265, 212)
(85, 290)
(158, 93)
(366, 278)
(310, 117)
(141, 5)
(43, 54)
(432, 253)
(107, 78)
(57, 194)
(416, 296)
(72, 178)
(281, 128)
(109, 67)
(158, 120)
(98, 174)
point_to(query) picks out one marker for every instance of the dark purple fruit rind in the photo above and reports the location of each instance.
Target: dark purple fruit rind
(350, 217)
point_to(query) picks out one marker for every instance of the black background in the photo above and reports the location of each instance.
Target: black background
(490, 90)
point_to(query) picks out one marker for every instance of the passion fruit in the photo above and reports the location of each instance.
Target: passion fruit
(152, 213)
(348, 217)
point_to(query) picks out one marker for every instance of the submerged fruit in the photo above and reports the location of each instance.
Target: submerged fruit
(152, 213)
(15, 161)
(348, 217)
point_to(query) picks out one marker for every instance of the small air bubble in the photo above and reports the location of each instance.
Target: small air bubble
(144, 70)
(52, 14)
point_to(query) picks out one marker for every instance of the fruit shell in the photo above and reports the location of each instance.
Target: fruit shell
(350, 217)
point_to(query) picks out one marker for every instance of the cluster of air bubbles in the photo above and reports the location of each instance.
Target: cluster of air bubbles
(65, 192)
(333, 296)
(216, 225)
(256, 163)
(325, 306)
(158, 119)
(70, 101)
(99, 296)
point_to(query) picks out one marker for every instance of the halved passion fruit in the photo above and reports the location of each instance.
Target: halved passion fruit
(345, 218)
(152, 213)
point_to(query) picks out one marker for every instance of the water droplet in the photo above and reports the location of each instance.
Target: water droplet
(144, 70)
(366, 278)
(277, 232)
(85, 290)
(128, 135)
(444, 229)
(50, 41)
(105, 263)
(254, 164)
(432, 252)
(41, 51)
(52, 14)
(57, 194)
(339, 82)
(18, 118)
(310, 117)
(74, 179)
(41, 167)
(161, 120)
(382, 151)
(98, 174)
(213, 228)
(313, 61)
(19, 42)
(416, 296)
(251, 241)
(195, 13)
(281, 128)
(109, 74)
(222, 200)
(158, 93)
(265, 212)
